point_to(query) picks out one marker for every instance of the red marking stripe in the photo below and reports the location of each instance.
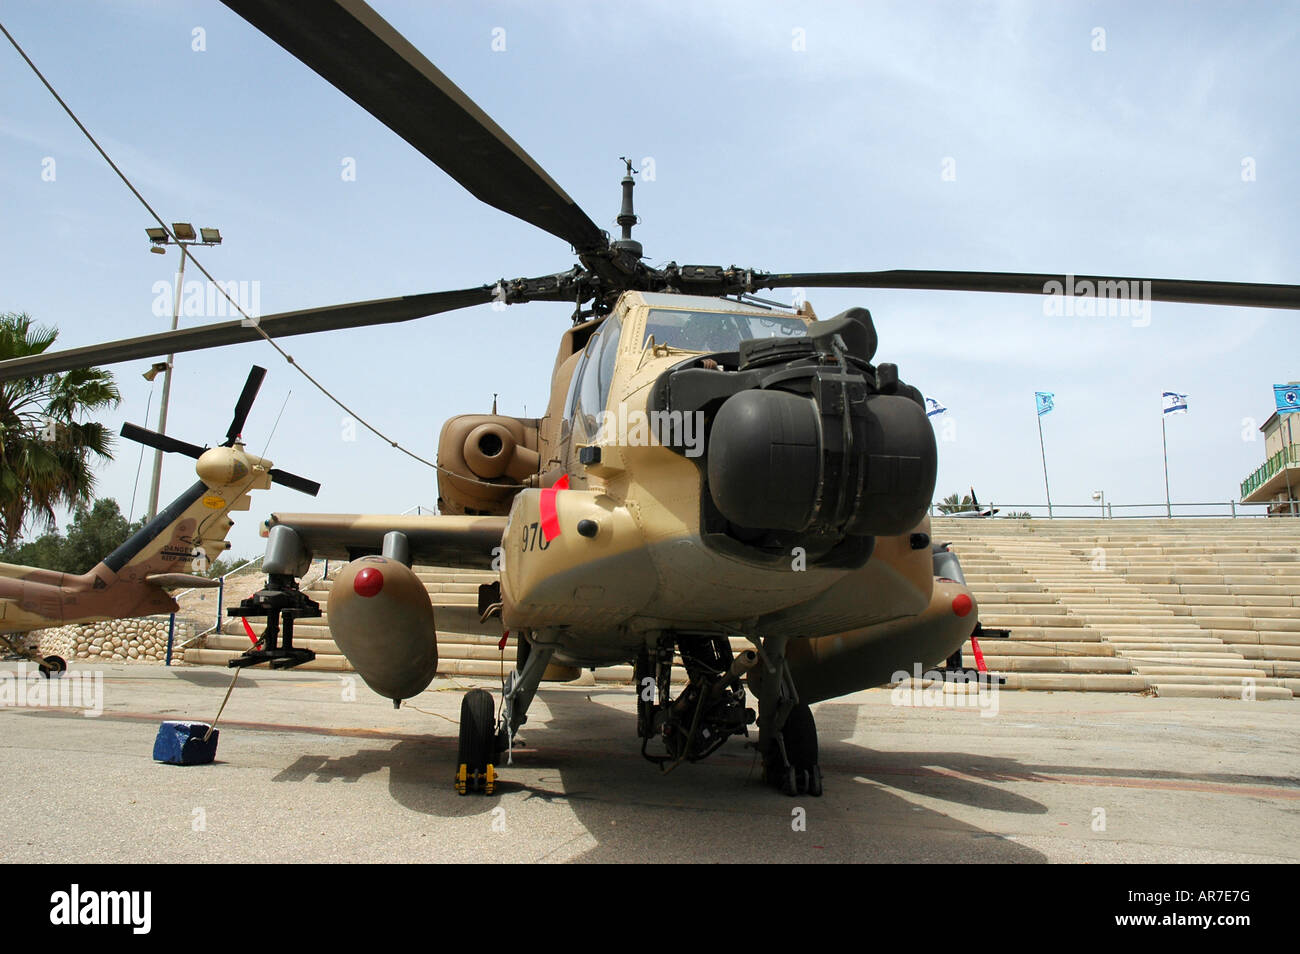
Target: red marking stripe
(546, 507)
(248, 629)
(979, 656)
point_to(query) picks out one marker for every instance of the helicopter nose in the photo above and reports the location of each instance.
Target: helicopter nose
(807, 443)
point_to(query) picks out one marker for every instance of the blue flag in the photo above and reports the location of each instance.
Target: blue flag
(1175, 403)
(933, 407)
(1287, 397)
(1045, 403)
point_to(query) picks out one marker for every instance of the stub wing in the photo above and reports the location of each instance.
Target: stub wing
(470, 542)
(170, 581)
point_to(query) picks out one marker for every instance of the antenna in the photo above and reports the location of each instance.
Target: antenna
(626, 216)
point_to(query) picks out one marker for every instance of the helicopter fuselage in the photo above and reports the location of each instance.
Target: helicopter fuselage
(625, 550)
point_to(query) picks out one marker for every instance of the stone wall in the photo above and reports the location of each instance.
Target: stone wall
(117, 640)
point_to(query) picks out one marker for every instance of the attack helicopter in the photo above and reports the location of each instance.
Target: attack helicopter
(709, 465)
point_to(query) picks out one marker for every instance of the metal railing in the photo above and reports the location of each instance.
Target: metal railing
(1094, 511)
(1286, 457)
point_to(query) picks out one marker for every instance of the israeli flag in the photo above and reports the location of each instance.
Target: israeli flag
(1175, 403)
(933, 407)
(1044, 401)
(1287, 398)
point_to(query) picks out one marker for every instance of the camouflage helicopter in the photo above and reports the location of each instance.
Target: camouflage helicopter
(710, 465)
(134, 579)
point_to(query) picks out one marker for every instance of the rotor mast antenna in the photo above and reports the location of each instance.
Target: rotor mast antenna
(626, 216)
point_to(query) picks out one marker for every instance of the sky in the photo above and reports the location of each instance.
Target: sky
(1153, 140)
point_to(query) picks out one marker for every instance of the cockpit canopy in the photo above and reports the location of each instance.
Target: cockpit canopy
(712, 331)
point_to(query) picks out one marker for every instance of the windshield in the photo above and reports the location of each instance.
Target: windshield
(714, 331)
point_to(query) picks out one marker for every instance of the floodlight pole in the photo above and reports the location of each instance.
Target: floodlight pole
(166, 390)
(182, 234)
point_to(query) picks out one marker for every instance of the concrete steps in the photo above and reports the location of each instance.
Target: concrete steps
(1190, 606)
(1207, 607)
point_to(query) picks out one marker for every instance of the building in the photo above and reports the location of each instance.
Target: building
(1277, 481)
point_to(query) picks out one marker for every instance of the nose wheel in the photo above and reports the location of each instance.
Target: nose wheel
(475, 760)
(790, 762)
(800, 742)
(787, 730)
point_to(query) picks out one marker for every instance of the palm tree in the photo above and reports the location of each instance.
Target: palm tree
(955, 504)
(46, 450)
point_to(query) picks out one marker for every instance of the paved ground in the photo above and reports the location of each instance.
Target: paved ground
(304, 774)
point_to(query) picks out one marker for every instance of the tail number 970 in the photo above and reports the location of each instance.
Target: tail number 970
(534, 539)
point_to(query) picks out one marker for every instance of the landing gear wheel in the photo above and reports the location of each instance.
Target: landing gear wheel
(53, 666)
(810, 781)
(800, 735)
(789, 782)
(478, 743)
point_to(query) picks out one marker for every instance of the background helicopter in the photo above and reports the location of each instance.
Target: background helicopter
(414, 100)
(187, 534)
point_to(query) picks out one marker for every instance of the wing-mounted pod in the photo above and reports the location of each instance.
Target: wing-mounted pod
(485, 459)
(381, 618)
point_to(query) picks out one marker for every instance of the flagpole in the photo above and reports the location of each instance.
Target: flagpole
(1043, 450)
(1164, 441)
(1286, 459)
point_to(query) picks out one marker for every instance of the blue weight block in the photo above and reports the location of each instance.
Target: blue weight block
(181, 743)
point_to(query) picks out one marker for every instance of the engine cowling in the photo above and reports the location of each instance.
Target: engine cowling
(482, 460)
(381, 618)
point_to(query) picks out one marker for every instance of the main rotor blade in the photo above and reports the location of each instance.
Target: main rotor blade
(294, 482)
(1244, 294)
(161, 441)
(244, 404)
(332, 318)
(357, 51)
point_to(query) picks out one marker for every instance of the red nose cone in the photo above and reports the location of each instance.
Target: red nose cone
(961, 603)
(368, 582)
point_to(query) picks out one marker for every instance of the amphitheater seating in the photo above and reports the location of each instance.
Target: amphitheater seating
(1207, 607)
